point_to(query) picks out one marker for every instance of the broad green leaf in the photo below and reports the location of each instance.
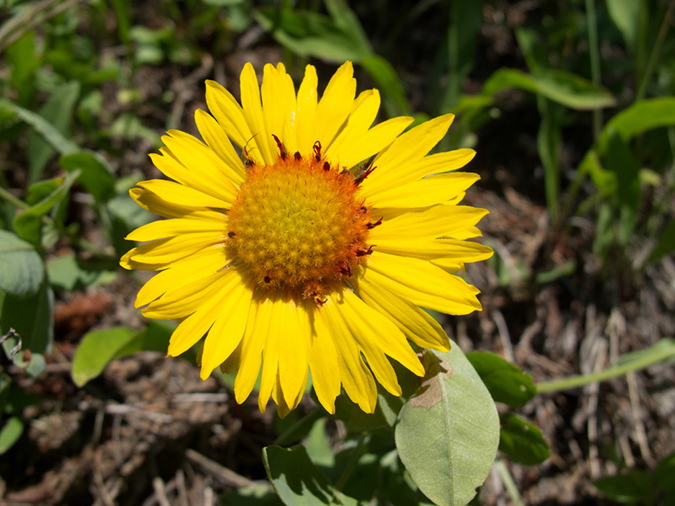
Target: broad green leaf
(95, 176)
(28, 224)
(100, 347)
(10, 433)
(604, 180)
(448, 433)
(506, 382)
(68, 272)
(58, 114)
(630, 486)
(32, 319)
(297, 481)
(96, 350)
(625, 15)
(41, 190)
(48, 132)
(310, 34)
(21, 268)
(522, 441)
(559, 86)
(639, 118)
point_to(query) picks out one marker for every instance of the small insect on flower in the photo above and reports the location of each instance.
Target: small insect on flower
(316, 263)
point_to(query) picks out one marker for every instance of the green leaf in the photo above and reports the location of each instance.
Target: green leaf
(522, 441)
(10, 433)
(32, 319)
(307, 33)
(21, 57)
(58, 114)
(96, 176)
(100, 347)
(639, 118)
(448, 433)
(68, 272)
(506, 382)
(21, 268)
(559, 86)
(46, 130)
(631, 485)
(28, 225)
(297, 481)
(625, 15)
(387, 81)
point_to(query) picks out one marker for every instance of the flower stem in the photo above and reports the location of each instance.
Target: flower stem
(509, 484)
(18, 203)
(657, 353)
(351, 463)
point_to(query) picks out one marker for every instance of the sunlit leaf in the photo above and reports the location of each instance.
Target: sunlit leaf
(625, 15)
(639, 118)
(448, 433)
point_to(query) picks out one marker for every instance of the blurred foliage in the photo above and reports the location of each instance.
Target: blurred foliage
(74, 111)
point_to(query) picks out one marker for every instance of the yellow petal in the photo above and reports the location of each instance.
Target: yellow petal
(278, 101)
(415, 323)
(218, 187)
(257, 329)
(230, 325)
(422, 283)
(428, 191)
(377, 335)
(168, 228)
(229, 114)
(335, 105)
(358, 123)
(188, 298)
(164, 251)
(306, 114)
(198, 265)
(179, 194)
(429, 249)
(293, 365)
(356, 377)
(392, 163)
(250, 101)
(373, 141)
(323, 364)
(437, 221)
(218, 141)
(152, 202)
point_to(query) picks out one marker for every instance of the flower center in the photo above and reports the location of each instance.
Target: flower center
(298, 225)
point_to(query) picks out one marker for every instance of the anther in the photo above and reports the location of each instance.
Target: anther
(248, 160)
(268, 279)
(231, 234)
(359, 179)
(371, 225)
(363, 252)
(297, 156)
(326, 166)
(282, 149)
(317, 151)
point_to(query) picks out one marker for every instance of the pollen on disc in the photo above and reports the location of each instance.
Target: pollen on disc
(299, 225)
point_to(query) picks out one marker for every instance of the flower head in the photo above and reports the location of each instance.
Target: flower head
(314, 248)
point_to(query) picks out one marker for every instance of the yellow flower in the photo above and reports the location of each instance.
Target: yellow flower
(314, 249)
